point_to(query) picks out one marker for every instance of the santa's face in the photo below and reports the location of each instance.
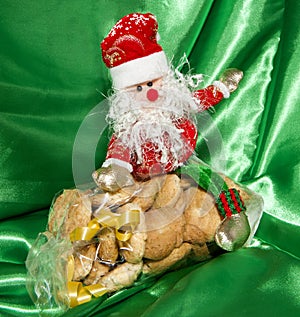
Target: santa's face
(147, 92)
(167, 95)
(150, 115)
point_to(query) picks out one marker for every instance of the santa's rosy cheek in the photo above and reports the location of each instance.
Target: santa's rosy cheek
(152, 94)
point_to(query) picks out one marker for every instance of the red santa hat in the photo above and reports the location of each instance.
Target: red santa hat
(131, 51)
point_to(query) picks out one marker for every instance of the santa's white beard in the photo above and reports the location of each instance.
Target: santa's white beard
(157, 128)
(135, 123)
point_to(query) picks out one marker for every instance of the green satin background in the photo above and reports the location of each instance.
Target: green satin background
(52, 76)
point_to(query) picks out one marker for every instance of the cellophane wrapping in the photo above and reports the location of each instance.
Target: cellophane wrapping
(98, 242)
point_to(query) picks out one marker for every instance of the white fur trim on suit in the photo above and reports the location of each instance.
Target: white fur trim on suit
(118, 162)
(224, 90)
(139, 70)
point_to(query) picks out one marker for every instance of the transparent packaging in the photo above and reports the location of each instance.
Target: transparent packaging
(99, 242)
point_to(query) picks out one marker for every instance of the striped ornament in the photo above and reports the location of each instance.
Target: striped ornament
(230, 202)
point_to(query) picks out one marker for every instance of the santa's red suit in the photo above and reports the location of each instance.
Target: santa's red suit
(151, 163)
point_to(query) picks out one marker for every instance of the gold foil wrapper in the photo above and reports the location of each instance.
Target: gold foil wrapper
(233, 232)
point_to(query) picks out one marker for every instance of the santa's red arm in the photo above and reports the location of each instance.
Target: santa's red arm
(211, 95)
(118, 153)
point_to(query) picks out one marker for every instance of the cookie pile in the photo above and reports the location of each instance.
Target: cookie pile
(178, 221)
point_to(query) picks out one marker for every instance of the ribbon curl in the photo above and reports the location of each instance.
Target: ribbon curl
(124, 225)
(78, 293)
(128, 219)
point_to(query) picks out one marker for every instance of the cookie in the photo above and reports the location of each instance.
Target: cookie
(97, 272)
(133, 250)
(174, 258)
(192, 234)
(147, 193)
(111, 200)
(122, 276)
(108, 251)
(160, 243)
(83, 262)
(169, 192)
(199, 253)
(202, 214)
(70, 211)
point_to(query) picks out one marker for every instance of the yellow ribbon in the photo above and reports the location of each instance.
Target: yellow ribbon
(70, 267)
(124, 224)
(85, 233)
(128, 219)
(79, 294)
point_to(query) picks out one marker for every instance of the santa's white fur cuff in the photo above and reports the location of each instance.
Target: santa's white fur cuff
(224, 90)
(118, 162)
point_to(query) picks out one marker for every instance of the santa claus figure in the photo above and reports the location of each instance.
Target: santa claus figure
(152, 109)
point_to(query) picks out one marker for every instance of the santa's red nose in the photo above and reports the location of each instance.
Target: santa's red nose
(152, 94)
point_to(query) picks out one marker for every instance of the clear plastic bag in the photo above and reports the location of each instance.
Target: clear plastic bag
(47, 273)
(98, 242)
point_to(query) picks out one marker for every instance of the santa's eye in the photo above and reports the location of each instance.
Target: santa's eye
(150, 84)
(139, 88)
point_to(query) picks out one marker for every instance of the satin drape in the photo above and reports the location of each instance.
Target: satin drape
(52, 76)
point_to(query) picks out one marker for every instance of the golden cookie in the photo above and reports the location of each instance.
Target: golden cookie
(70, 211)
(146, 196)
(178, 254)
(199, 252)
(192, 234)
(122, 276)
(83, 262)
(187, 182)
(160, 243)
(169, 192)
(98, 270)
(202, 213)
(111, 200)
(133, 250)
(108, 247)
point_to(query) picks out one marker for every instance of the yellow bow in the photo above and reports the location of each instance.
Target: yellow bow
(124, 224)
(79, 294)
(130, 218)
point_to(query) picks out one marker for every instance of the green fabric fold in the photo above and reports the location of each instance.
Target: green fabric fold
(52, 76)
